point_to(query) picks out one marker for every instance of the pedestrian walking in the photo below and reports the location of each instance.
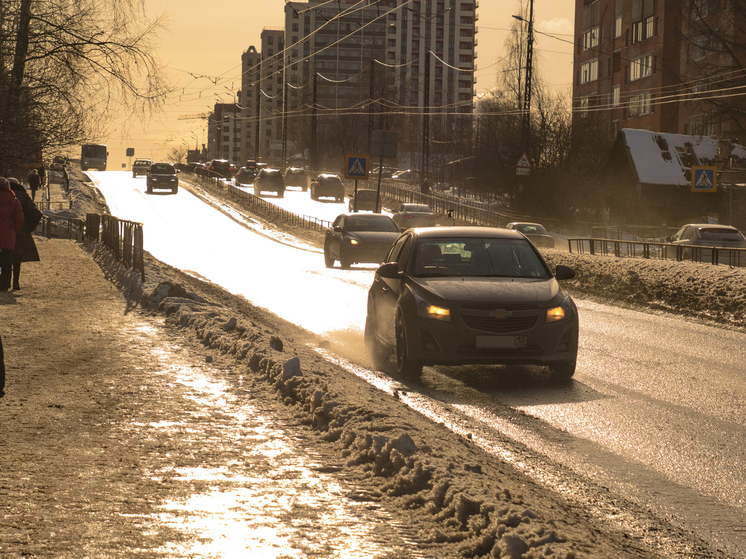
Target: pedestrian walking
(11, 221)
(34, 183)
(25, 250)
(66, 179)
(425, 187)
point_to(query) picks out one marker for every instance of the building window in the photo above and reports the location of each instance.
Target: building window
(589, 71)
(616, 96)
(467, 7)
(590, 38)
(295, 27)
(618, 27)
(583, 105)
(641, 67)
(639, 104)
(270, 40)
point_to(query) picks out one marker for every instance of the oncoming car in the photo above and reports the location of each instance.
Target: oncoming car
(470, 295)
(359, 238)
(535, 233)
(162, 176)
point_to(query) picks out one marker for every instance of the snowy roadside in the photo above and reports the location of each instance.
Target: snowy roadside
(464, 502)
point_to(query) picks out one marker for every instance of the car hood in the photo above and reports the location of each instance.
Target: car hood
(454, 291)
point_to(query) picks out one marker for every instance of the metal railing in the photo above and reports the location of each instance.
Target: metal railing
(257, 204)
(52, 226)
(657, 250)
(124, 238)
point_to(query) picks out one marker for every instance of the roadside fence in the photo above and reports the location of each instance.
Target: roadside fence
(61, 227)
(735, 257)
(124, 238)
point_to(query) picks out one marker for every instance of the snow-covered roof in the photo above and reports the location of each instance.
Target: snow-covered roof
(663, 158)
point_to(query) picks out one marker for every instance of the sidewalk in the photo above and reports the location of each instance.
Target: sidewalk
(120, 440)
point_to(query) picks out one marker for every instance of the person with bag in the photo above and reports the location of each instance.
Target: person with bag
(25, 250)
(11, 221)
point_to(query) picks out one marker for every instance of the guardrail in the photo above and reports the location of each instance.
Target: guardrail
(258, 204)
(61, 227)
(656, 250)
(124, 238)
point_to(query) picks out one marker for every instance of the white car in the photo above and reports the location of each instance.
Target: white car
(697, 239)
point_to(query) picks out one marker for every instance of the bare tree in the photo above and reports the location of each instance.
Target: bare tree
(73, 64)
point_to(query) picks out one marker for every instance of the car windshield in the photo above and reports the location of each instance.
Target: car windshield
(162, 169)
(719, 234)
(296, 172)
(478, 257)
(367, 194)
(531, 229)
(371, 223)
(419, 208)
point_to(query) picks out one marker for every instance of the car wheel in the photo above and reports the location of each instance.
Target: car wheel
(313, 195)
(281, 194)
(344, 260)
(149, 189)
(562, 372)
(406, 367)
(328, 260)
(175, 189)
(378, 353)
(134, 175)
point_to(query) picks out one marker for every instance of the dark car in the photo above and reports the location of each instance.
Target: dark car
(269, 180)
(696, 240)
(470, 295)
(162, 176)
(535, 233)
(296, 176)
(328, 185)
(413, 215)
(359, 238)
(221, 169)
(363, 200)
(141, 167)
(244, 176)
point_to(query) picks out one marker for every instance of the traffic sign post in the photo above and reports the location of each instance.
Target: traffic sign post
(356, 167)
(523, 167)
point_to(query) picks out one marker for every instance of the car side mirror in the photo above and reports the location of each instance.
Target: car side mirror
(564, 272)
(390, 270)
(667, 239)
(337, 228)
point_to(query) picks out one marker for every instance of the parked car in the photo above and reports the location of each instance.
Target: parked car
(359, 238)
(328, 185)
(413, 215)
(244, 176)
(220, 168)
(141, 167)
(535, 233)
(470, 295)
(269, 180)
(162, 176)
(364, 199)
(697, 240)
(296, 176)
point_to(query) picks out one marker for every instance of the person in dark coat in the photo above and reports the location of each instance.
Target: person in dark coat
(34, 183)
(11, 221)
(2, 370)
(25, 250)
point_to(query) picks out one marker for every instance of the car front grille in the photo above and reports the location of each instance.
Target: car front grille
(499, 326)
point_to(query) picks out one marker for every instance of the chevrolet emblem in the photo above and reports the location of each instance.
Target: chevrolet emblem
(500, 314)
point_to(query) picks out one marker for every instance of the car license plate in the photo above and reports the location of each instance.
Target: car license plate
(501, 342)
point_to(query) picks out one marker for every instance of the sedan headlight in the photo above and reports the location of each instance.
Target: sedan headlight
(562, 312)
(354, 241)
(427, 310)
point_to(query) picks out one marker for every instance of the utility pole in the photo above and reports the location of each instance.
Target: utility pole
(526, 122)
(314, 161)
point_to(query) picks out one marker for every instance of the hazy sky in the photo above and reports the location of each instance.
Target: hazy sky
(203, 43)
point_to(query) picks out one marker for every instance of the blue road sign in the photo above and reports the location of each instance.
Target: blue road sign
(356, 166)
(704, 179)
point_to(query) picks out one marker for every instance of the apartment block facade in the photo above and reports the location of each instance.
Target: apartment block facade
(653, 64)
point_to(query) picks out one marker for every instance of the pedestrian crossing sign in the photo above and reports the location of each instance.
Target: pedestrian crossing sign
(356, 166)
(704, 179)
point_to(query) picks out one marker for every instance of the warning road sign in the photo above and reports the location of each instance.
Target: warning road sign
(356, 166)
(704, 179)
(524, 162)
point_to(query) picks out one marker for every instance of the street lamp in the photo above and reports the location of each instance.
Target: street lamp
(425, 156)
(526, 124)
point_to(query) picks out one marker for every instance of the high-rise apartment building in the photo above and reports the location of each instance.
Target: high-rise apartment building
(320, 68)
(659, 64)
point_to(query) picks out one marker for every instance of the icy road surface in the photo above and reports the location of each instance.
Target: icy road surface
(655, 411)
